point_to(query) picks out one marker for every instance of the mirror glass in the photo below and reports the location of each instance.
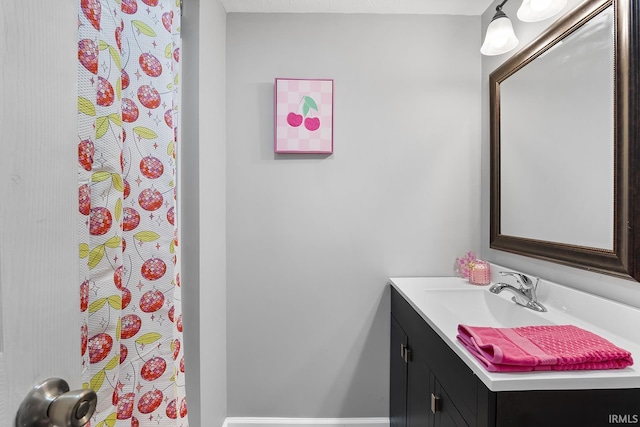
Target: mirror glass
(557, 133)
(564, 130)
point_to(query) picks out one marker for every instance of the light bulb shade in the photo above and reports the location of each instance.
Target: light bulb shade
(539, 10)
(500, 37)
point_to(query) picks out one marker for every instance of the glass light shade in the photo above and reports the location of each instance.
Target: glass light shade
(539, 10)
(500, 37)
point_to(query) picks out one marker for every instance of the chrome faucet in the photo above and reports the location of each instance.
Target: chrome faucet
(524, 295)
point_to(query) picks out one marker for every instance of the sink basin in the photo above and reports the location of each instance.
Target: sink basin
(481, 307)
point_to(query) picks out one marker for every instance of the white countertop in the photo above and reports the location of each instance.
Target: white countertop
(443, 311)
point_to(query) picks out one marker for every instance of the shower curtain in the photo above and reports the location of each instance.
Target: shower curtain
(130, 305)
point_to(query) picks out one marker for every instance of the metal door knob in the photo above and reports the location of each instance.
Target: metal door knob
(52, 404)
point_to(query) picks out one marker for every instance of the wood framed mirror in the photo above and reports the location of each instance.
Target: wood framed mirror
(565, 161)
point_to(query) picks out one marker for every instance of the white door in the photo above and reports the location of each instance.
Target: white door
(39, 290)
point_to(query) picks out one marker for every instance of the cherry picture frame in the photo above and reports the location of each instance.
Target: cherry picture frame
(303, 110)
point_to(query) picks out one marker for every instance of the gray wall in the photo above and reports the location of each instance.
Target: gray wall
(212, 206)
(203, 184)
(311, 240)
(617, 289)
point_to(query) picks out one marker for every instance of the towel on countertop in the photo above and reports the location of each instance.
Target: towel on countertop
(541, 348)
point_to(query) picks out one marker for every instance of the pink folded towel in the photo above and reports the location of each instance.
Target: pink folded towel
(541, 348)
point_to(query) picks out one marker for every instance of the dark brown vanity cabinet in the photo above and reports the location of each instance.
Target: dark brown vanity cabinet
(430, 386)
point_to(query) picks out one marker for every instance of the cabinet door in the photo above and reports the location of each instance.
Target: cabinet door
(419, 389)
(445, 412)
(398, 379)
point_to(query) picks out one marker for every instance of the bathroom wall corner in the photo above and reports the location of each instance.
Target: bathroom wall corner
(203, 203)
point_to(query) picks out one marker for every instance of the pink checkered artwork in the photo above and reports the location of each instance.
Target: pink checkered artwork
(303, 116)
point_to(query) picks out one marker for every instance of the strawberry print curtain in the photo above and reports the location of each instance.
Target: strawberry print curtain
(131, 321)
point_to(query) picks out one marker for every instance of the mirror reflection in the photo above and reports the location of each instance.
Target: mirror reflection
(557, 141)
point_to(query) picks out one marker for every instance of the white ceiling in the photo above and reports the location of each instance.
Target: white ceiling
(420, 7)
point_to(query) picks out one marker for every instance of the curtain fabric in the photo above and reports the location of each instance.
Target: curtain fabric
(130, 305)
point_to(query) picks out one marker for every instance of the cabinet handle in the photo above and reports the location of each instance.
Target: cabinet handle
(435, 403)
(405, 353)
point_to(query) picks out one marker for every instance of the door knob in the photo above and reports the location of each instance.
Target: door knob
(52, 404)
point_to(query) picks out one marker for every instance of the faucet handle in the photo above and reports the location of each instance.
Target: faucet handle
(522, 279)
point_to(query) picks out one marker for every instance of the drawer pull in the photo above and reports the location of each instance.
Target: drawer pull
(436, 402)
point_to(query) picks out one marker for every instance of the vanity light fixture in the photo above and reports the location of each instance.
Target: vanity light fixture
(539, 10)
(500, 37)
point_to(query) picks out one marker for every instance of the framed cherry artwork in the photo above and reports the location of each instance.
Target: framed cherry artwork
(303, 116)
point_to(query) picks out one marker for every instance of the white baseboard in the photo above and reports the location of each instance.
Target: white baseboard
(305, 422)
